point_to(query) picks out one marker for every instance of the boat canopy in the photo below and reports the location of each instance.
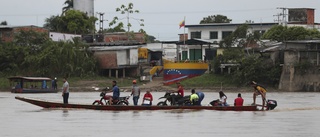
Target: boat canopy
(29, 78)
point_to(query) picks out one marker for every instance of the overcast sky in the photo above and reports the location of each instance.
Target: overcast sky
(162, 17)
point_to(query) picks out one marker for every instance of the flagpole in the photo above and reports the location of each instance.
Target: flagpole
(184, 31)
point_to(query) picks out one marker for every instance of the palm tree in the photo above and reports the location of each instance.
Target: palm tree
(69, 6)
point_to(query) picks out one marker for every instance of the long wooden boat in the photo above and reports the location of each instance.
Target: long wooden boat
(47, 104)
(21, 84)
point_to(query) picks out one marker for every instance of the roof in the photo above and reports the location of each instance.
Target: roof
(195, 42)
(230, 24)
(30, 78)
(112, 48)
(9, 26)
(304, 41)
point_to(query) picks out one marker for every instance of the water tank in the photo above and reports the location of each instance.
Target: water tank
(85, 6)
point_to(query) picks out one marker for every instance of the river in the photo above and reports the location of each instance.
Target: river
(297, 114)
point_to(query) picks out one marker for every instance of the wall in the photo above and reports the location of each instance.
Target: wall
(292, 80)
(55, 36)
(107, 59)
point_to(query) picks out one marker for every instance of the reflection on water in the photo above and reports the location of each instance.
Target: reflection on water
(294, 110)
(65, 113)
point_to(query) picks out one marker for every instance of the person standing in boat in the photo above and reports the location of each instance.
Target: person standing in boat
(116, 92)
(223, 99)
(238, 101)
(147, 99)
(194, 98)
(135, 92)
(65, 91)
(259, 90)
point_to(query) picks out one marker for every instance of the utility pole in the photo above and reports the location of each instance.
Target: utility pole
(283, 14)
(277, 20)
(100, 21)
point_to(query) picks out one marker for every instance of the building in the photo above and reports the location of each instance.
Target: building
(301, 66)
(116, 61)
(56, 36)
(7, 33)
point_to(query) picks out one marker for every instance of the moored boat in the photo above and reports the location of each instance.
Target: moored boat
(48, 104)
(21, 84)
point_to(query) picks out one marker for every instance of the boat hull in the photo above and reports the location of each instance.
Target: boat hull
(47, 104)
(34, 91)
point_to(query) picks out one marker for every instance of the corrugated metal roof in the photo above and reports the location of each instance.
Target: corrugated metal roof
(9, 26)
(229, 24)
(112, 48)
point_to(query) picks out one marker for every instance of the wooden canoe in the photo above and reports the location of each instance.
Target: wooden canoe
(47, 104)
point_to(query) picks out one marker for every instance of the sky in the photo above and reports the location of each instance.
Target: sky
(161, 17)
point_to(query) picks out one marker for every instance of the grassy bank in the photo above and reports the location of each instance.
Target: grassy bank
(86, 82)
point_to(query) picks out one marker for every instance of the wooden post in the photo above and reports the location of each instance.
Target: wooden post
(117, 72)
(124, 72)
(110, 73)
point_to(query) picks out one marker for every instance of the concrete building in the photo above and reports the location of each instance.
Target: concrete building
(301, 66)
(117, 61)
(85, 6)
(56, 36)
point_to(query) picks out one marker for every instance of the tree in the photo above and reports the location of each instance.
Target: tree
(4, 23)
(283, 33)
(49, 59)
(69, 6)
(240, 37)
(74, 22)
(126, 10)
(215, 19)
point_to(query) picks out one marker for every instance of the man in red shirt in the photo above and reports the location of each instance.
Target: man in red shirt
(180, 89)
(180, 95)
(238, 101)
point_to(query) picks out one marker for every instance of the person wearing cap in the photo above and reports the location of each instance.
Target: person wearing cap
(135, 92)
(147, 99)
(116, 92)
(259, 90)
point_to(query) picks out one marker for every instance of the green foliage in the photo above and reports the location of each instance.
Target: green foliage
(240, 37)
(303, 67)
(257, 69)
(127, 10)
(69, 6)
(4, 23)
(284, 33)
(40, 56)
(74, 22)
(215, 19)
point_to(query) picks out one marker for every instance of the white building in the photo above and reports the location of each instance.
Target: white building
(56, 36)
(218, 31)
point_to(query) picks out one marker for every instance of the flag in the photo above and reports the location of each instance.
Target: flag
(182, 24)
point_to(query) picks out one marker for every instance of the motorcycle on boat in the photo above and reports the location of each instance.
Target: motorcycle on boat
(170, 99)
(105, 100)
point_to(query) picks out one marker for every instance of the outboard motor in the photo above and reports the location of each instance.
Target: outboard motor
(271, 104)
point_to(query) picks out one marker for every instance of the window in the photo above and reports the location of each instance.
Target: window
(196, 35)
(213, 35)
(226, 34)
